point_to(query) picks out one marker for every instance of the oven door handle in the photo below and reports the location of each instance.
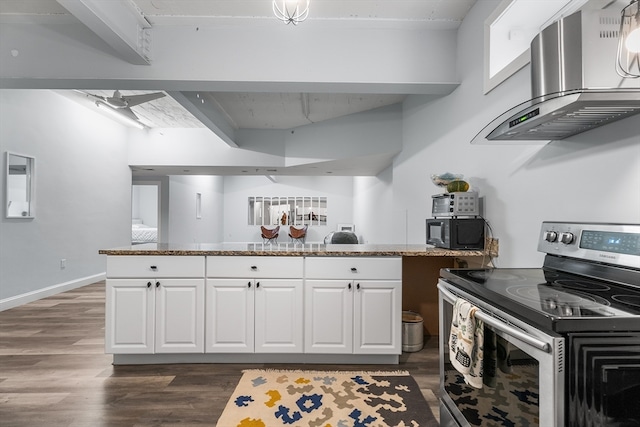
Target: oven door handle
(499, 325)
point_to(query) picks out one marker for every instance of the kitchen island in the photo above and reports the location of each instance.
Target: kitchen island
(269, 303)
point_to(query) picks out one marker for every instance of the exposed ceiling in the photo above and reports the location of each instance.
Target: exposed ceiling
(231, 103)
(247, 108)
(250, 110)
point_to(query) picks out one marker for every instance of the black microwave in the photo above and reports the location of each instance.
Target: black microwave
(456, 233)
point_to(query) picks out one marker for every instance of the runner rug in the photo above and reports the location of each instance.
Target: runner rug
(271, 398)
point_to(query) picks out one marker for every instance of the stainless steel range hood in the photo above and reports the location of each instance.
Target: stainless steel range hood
(574, 84)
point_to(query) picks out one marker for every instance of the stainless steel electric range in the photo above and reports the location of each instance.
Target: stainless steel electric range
(563, 340)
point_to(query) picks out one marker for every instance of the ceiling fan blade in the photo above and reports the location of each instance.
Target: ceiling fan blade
(139, 99)
(90, 95)
(127, 112)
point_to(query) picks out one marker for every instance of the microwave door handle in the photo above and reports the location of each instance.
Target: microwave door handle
(501, 326)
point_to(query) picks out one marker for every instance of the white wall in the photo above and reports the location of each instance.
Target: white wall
(373, 209)
(144, 204)
(184, 227)
(237, 189)
(571, 180)
(82, 191)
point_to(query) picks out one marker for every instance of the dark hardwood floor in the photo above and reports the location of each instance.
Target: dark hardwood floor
(54, 372)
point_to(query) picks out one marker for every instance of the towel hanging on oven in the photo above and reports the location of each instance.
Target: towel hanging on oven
(466, 342)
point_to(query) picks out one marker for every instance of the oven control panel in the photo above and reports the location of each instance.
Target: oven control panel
(617, 244)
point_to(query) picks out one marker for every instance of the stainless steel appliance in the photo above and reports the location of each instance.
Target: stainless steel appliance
(574, 83)
(455, 204)
(563, 340)
(456, 233)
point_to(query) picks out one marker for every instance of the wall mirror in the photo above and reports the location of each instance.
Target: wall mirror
(19, 201)
(296, 211)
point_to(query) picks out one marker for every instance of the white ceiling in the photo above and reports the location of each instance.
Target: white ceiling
(164, 11)
(247, 110)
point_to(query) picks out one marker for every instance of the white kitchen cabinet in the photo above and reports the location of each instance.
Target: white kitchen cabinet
(154, 314)
(179, 316)
(328, 316)
(278, 316)
(254, 304)
(377, 314)
(177, 309)
(130, 316)
(358, 310)
(230, 315)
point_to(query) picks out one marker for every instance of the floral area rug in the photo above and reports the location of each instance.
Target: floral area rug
(271, 398)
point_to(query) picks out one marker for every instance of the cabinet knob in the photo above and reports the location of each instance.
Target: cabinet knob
(148, 284)
(157, 284)
(349, 285)
(354, 270)
(249, 284)
(257, 284)
(358, 286)
(153, 267)
(254, 267)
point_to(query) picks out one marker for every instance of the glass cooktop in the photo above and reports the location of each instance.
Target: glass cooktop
(556, 300)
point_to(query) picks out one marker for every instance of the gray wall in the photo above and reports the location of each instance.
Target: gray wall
(82, 188)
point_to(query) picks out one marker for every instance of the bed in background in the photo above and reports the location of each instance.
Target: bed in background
(142, 233)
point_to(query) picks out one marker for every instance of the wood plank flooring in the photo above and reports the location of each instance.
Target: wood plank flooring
(54, 372)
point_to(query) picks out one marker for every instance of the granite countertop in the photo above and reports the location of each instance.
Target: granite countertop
(288, 249)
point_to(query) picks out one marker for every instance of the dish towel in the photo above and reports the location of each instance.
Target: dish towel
(466, 342)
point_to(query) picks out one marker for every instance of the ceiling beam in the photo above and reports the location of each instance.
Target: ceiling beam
(208, 113)
(60, 52)
(119, 23)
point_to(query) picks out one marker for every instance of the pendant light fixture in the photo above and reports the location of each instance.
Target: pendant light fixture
(291, 11)
(628, 58)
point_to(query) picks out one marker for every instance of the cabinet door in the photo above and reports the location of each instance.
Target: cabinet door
(130, 316)
(328, 316)
(179, 315)
(279, 316)
(229, 317)
(377, 317)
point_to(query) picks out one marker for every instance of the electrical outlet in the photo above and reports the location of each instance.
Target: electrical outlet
(63, 264)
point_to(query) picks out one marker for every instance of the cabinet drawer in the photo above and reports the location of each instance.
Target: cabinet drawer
(155, 266)
(354, 268)
(255, 267)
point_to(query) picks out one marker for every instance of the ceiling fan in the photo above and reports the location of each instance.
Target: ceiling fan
(123, 103)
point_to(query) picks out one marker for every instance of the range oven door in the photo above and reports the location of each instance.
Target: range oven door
(523, 386)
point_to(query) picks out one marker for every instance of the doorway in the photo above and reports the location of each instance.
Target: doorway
(145, 213)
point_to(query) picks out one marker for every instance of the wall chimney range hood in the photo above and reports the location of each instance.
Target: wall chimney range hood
(574, 83)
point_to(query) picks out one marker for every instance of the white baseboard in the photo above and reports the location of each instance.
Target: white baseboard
(17, 300)
(261, 358)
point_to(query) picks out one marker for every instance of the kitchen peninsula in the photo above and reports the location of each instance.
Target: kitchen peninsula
(270, 303)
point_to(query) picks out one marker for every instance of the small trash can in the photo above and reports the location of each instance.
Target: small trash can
(412, 331)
